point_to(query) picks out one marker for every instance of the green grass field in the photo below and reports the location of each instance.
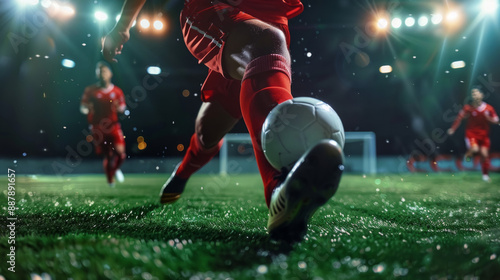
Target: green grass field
(382, 227)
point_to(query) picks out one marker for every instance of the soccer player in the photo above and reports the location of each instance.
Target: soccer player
(102, 102)
(245, 45)
(479, 116)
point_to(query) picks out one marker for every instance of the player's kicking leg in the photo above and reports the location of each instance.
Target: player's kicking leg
(310, 184)
(212, 123)
(257, 53)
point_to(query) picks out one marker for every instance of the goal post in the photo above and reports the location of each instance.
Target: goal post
(359, 151)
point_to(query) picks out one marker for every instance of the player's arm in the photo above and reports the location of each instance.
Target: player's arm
(461, 115)
(85, 104)
(492, 117)
(113, 42)
(121, 106)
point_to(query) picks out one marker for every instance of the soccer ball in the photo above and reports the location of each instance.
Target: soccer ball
(296, 125)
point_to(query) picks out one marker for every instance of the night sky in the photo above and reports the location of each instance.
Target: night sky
(336, 58)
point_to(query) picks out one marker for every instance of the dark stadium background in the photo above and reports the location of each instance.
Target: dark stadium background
(408, 109)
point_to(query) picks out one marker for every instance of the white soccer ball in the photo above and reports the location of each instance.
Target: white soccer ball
(296, 125)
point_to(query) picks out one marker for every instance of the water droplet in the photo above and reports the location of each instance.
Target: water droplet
(262, 269)
(302, 265)
(379, 268)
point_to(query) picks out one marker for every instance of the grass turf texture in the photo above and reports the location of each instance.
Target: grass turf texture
(411, 226)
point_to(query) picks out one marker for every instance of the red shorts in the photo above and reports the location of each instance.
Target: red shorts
(105, 138)
(475, 139)
(205, 27)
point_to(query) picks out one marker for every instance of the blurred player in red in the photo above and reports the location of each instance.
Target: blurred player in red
(244, 44)
(479, 117)
(102, 102)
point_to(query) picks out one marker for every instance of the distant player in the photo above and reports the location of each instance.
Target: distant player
(479, 117)
(102, 102)
(245, 46)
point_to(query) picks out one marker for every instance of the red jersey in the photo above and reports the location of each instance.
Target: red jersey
(478, 119)
(103, 103)
(276, 11)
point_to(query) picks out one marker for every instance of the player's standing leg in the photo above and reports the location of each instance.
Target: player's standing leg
(485, 163)
(108, 163)
(212, 123)
(119, 158)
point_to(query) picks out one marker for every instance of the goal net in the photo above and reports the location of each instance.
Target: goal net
(236, 154)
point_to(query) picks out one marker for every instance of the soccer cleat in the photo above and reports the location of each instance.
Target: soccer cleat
(119, 176)
(486, 178)
(173, 188)
(111, 185)
(313, 180)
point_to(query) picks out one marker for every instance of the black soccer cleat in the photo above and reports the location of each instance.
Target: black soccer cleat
(313, 180)
(173, 188)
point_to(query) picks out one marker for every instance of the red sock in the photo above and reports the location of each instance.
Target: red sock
(196, 157)
(117, 161)
(266, 83)
(485, 166)
(108, 168)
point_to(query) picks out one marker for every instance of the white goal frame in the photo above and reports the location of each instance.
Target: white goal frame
(367, 137)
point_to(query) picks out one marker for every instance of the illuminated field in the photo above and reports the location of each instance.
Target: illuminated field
(383, 227)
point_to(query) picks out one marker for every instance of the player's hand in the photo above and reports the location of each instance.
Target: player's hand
(112, 44)
(450, 131)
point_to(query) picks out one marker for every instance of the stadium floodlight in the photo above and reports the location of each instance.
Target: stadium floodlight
(458, 64)
(489, 6)
(158, 25)
(100, 15)
(384, 69)
(409, 21)
(423, 20)
(153, 70)
(436, 18)
(68, 63)
(396, 22)
(452, 16)
(382, 23)
(145, 23)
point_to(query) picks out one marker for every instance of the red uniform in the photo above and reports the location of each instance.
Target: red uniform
(478, 124)
(103, 104)
(213, 20)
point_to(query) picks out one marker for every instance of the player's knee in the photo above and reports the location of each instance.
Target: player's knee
(484, 154)
(271, 41)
